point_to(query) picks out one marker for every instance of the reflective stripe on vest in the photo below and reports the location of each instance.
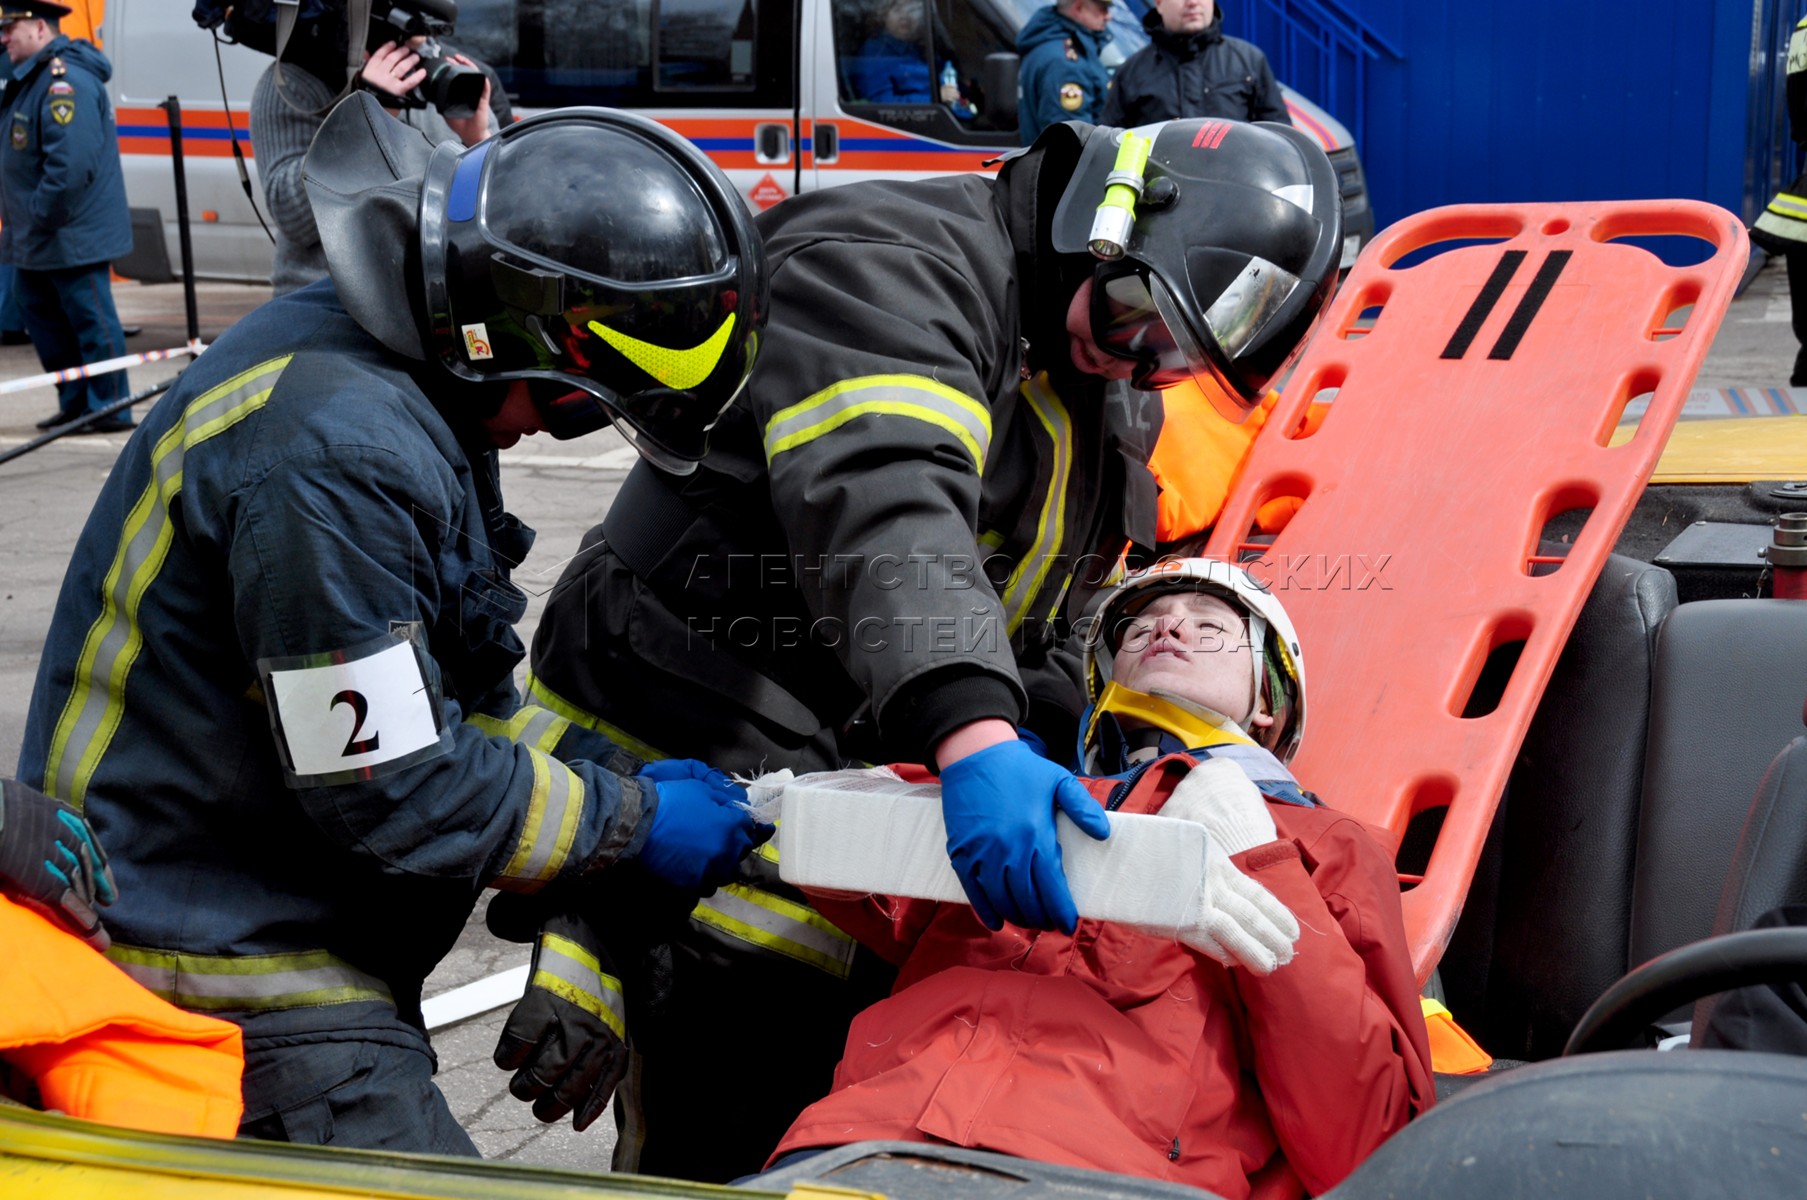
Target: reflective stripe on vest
(772, 923)
(96, 703)
(554, 809)
(571, 972)
(257, 982)
(914, 396)
(1025, 583)
(536, 687)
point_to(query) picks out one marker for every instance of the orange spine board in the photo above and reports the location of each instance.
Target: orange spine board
(1476, 404)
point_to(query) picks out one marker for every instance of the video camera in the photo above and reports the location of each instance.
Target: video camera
(453, 88)
(318, 40)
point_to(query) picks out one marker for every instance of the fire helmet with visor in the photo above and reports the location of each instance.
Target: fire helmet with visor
(606, 262)
(1231, 258)
(1275, 657)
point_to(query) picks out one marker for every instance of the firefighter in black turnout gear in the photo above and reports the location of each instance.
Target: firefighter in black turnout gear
(896, 525)
(279, 679)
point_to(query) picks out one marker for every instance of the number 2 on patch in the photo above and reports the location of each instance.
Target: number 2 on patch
(360, 709)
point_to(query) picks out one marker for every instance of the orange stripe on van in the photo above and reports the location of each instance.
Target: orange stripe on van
(1316, 129)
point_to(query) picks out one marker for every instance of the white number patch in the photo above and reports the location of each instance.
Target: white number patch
(353, 714)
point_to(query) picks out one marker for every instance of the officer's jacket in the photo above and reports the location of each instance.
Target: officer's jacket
(1114, 1050)
(1204, 74)
(62, 196)
(1063, 78)
(1782, 226)
(891, 520)
(296, 504)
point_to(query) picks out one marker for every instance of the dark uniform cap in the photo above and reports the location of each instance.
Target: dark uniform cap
(25, 10)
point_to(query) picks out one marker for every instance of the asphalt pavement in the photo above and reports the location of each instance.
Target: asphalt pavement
(560, 488)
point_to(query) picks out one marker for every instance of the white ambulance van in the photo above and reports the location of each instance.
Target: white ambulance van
(766, 87)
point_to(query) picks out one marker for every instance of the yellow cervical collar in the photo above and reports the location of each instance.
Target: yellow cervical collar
(1196, 727)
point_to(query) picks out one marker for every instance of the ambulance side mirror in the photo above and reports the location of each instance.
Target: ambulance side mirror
(999, 78)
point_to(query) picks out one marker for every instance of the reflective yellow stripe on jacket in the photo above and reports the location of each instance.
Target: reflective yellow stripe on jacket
(531, 725)
(778, 926)
(536, 688)
(96, 703)
(568, 970)
(915, 396)
(1025, 583)
(251, 982)
(555, 805)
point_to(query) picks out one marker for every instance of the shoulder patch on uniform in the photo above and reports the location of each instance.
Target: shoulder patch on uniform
(62, 87)
(62, 109)
(1072, 97)
(358, 713)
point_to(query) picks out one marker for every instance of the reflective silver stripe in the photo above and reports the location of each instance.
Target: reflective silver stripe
(565, 968)
(529, 725)
(1788, 206)
(254, 981)
(781, 926)
(96, 702)
(1791, 228)
(914, 396)
(1025, 583)
(544, 729)
(554, 807)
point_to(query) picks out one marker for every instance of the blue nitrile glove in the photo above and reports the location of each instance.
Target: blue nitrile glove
(665, 770)
(1033, 740)
(51, 863)
(700, 832)
(999, 808)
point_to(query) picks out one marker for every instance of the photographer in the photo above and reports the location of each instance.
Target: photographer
(294, 95)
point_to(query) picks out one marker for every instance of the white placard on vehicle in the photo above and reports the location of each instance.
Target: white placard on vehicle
(353, 714)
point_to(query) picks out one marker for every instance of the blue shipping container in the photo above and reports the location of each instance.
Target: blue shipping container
(1453, 101)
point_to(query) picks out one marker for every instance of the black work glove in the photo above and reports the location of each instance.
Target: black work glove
(51, 862)
(566, 1038)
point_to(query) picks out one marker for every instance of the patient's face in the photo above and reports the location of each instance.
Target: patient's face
(1192, 646)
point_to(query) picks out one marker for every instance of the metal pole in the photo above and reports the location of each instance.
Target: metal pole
(173, 107)
(82, 422)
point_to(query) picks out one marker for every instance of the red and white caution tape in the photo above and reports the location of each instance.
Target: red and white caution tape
(100, 368)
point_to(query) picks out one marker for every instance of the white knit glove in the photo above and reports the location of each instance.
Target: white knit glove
(1235, 921)
(1220, 796)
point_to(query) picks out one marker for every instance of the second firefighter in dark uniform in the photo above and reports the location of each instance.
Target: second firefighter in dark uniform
(918, 494)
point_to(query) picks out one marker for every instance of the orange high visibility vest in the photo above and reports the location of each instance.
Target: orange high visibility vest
(101, 1047)
(1197, 458)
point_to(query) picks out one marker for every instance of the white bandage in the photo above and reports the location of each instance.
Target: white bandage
(869, 832)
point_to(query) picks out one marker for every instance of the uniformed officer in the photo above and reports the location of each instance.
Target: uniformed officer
(1062, 76)
(63, 216)
(920, 492)
(279, 676)
(1782, 226)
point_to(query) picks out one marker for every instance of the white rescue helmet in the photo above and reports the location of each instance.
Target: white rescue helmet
(1276, 660)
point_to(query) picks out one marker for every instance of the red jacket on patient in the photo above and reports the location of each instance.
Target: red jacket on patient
(1122, 1052)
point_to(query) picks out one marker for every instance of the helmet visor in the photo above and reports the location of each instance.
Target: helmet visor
(1134, 317)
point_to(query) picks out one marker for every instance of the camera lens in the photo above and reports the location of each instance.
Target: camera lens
(453, 88)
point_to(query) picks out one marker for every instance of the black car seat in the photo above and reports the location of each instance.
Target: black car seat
(1626, 805)
(1769, 865)
(1547, 924)
(1730, 687)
